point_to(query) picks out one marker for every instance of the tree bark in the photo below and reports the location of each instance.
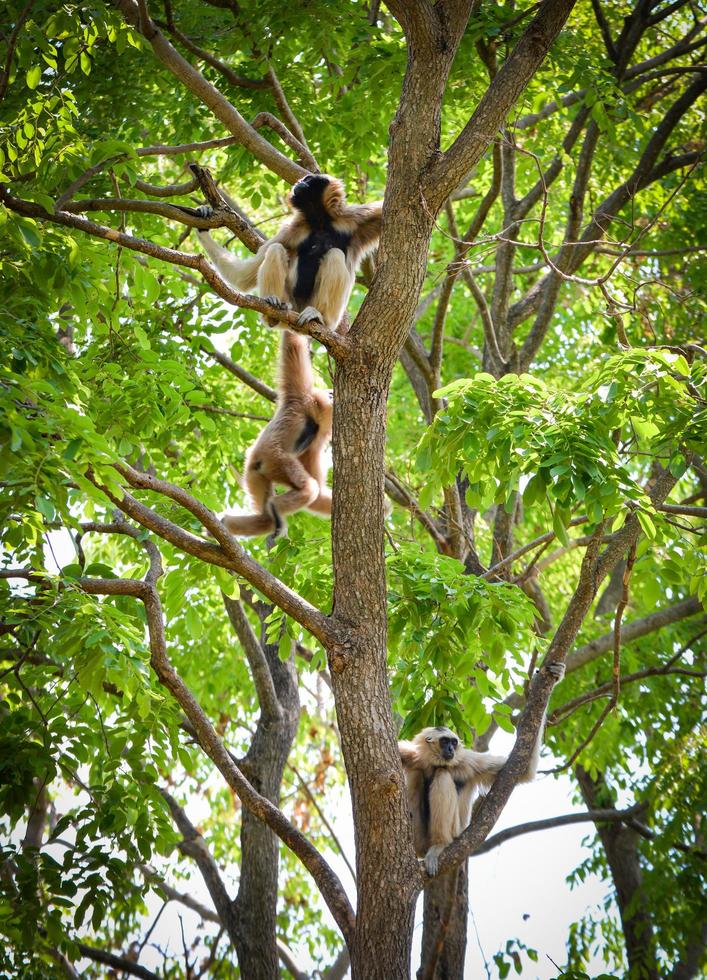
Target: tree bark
(444, 927)
(384, 919)
(256, 903)
(621, 848)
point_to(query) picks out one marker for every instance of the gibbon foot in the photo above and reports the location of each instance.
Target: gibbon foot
(280, 304)
(432, 858)
(557, 669)
(308, 314)
(280, 528)
(205, 211)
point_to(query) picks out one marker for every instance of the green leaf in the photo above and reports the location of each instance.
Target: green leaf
(559, 527)
(141, 337)
(28, 230)
(646, 523)
(72, 571)
(33, 76)
(45, 508)
(194, 623)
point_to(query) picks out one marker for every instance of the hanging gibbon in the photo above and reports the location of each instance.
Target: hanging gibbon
(310, 264)
(289, 450)
(442, 780)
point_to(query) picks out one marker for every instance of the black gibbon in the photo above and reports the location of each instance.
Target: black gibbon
(289, 450)
(310, 264)
(442, 780)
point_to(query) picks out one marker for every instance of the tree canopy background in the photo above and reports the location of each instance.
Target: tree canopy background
(531, 329)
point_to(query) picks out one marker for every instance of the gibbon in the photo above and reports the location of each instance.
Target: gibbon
(442, 780)
(289, 450)
(310, 264)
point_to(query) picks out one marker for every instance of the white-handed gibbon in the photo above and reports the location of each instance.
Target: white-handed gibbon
(442, 780)
(289, 450)
(310, 264)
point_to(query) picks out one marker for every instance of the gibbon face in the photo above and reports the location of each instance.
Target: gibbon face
(442, 742)
(317, 192)
(308, 191)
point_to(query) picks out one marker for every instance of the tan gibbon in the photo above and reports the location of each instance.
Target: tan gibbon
(289, 450)
(442, 780)
(310, 264)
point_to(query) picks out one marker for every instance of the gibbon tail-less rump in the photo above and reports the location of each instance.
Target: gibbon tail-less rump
(310, 264)
(443, 779)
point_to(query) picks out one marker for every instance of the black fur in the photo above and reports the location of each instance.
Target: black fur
(276, 518)
(306, 436)
(307, 198)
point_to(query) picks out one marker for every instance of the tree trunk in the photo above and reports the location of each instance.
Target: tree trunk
(387, 874)
(620, 845)
(256, 904)
(444, 927)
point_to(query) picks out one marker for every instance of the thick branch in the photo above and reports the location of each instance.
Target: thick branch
(327, 882)
(165, 190)
(335, 343)
(270, 707)
(231, 554)
(598, 816)
(500, 97)
(194, 845)
(594, 568)
(210, 95)
(119, 963)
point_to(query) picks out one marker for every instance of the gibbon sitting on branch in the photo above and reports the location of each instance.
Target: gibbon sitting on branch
(442, 780)
(289, 450)
(311, 263)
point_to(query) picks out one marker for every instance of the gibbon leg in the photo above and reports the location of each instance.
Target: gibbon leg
(249, 525)
(331, 290)
(313, 462)
(297, 499)
(443, 817)
(305, 489)
(322, 504)
(272, 278)
(259, 488)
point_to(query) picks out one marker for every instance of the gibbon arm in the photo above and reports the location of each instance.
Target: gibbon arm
(409, 755)
(481, 768)
(368, 230)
